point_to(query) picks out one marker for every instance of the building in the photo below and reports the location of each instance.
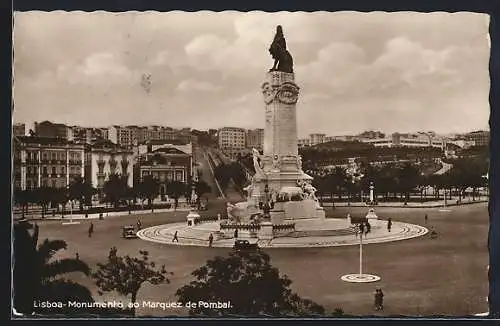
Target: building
(371, 135)
(232, 141)
(408, 140)
(120, 135)
(104, 158)
(79, 134)
(480, 138)
(152, 145)
(255, 139)
(303, 142)
(165, 164)
(462, 143)
(316, 139)
(46, 162)
(129, 136)
(19, 129)
(48, 129)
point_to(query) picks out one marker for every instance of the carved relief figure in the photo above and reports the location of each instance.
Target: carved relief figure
(276, 162)
(230, 213)
(299, 162)
(256, 161)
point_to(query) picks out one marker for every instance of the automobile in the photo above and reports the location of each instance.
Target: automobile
(244, 245)
(128, 232)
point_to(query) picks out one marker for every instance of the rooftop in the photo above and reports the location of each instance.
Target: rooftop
(169, 150)
(43, 140)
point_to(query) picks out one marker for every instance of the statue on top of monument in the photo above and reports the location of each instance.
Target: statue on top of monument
(283, 60)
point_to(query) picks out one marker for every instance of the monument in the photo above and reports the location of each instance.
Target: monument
(280, 191)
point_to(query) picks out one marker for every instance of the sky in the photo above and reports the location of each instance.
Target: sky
(356, 71)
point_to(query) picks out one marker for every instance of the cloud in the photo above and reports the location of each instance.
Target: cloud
(196, 86)
(353, 69)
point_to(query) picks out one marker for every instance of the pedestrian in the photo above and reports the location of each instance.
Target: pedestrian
(176, 239)
(77, 256)
(91, 229)
(236, 233)
(425, 218)
(210, 240)
(361, 228)
(376, 299)
(380, 299)
(389, 224)
(138, 225)
(368, 228)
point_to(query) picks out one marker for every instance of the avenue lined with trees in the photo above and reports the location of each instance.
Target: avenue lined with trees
(116, 193)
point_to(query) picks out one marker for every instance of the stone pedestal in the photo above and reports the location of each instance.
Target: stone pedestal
(192, 217)
(371, 214)
(266, 231)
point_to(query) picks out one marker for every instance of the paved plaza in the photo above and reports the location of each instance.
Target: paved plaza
(419, 276)
(309, 233)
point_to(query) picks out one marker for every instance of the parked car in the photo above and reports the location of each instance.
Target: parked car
(244, 245)
(128, 232)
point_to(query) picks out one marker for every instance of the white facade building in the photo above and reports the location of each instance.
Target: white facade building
(105, 159)
(232, 140)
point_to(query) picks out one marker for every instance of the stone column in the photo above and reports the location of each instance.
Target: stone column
(280, 96)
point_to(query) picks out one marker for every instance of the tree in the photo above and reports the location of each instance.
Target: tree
(175, 189)
(126, 275)
(80, 190)
(115, 189)
(39, 277)
(201, 188)
(147, 189)
(408, 177)
(43, 197)
(251, 284)
(60, 196)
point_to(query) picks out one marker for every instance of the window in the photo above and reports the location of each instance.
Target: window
(53, 170)
(45, 170)
(54, 155)
(63, 170)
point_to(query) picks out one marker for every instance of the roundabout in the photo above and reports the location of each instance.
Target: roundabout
(329, 232)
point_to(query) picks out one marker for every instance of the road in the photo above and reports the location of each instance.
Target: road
(446, 167)
(207, 174)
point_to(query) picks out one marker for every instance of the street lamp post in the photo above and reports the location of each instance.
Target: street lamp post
(267, 205)
(360, 277)
(71, 215)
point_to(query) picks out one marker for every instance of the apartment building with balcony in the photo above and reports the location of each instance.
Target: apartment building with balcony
(105, 158)
(46, 162)
(232, 141)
